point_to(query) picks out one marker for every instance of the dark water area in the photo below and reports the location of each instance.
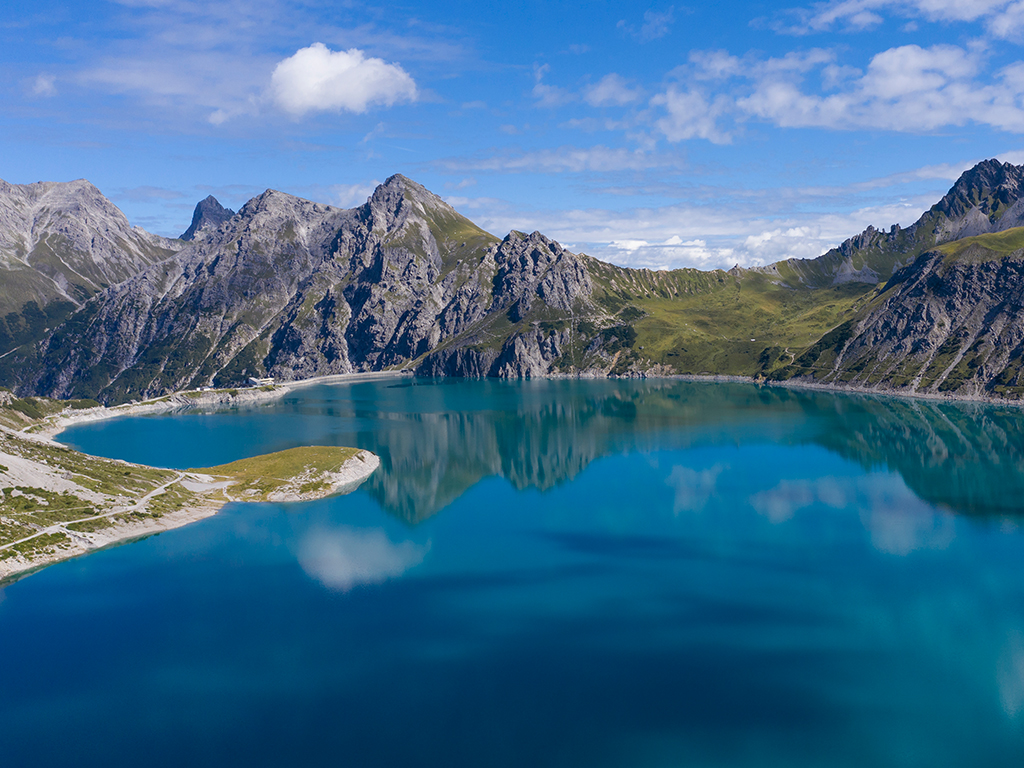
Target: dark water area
(550, 573)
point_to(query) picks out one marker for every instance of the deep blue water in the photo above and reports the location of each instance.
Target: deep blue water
(550, 574)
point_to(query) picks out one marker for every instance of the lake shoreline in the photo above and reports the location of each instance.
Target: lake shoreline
(117, 518)
(188, 400)
(713, 378)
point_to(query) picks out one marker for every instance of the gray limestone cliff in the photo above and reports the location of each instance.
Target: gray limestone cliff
(291, 288)
(60, 244)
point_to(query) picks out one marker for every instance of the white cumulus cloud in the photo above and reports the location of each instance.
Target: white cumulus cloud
(906, 88)
(317, 79)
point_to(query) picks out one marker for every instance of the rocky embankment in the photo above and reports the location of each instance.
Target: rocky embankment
(949, 325)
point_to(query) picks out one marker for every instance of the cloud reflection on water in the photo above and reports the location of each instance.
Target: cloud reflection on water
(345, 557)
(898, 521)
(694, 488)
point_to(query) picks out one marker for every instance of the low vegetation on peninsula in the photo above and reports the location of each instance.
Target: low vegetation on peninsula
(56, 502)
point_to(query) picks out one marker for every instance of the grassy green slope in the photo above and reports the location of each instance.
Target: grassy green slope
(742, 323)
(990, 247)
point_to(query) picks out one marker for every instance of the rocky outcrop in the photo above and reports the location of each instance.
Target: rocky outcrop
(67, 241)
(952, 323)
(986, 198)
(208, 215)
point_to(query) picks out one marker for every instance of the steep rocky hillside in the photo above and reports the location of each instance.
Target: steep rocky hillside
(291, 289)
(287, 287)
(986, 198)
(951, 322)
(61, 243)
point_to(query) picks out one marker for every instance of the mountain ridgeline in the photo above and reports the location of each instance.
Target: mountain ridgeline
(60, 244)
(290, 288)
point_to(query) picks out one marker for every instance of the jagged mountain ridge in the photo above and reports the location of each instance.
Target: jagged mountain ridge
(292, 288)
(65, 240)
(986, 198)
(208, 215)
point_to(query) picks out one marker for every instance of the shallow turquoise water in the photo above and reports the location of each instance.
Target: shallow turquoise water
(550, 574)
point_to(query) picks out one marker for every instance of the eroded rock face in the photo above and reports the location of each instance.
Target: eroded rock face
(60, 243)
(943, 326)
(291, 289)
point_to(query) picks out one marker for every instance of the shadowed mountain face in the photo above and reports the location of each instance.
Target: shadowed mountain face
(208, 215)
(291, 289)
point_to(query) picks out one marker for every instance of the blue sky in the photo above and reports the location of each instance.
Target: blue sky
(662, 136)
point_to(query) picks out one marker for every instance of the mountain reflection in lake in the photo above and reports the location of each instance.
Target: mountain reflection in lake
(551, 573)
(436, 440)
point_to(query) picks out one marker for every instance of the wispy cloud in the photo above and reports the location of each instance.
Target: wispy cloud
(716, 229)
(196, 63)
(43, 85)
(907, 89)
(656, 24)
(1000, 18)
(611, 90)
(567, 159)
(351, 195)
(549, 95)
(147, 194)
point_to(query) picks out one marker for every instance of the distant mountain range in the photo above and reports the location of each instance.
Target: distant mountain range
(290, 288)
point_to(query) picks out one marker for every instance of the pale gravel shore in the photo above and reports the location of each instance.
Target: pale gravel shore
(83, 543)
(345, 480)
(179, 401)
(21, 471)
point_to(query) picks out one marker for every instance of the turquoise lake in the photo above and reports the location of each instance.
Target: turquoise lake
(549, 573)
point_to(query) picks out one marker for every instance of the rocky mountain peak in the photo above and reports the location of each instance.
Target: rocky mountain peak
(991, 186)
(398, 198)
(209, 214)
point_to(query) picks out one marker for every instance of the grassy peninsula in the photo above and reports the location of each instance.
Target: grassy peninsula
(57, 503)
